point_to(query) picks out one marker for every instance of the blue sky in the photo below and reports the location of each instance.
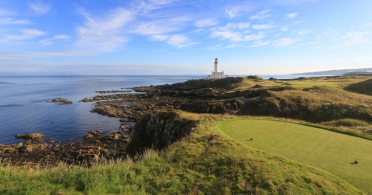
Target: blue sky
(183, 37)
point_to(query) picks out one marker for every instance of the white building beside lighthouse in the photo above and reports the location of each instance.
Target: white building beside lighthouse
(215, 73)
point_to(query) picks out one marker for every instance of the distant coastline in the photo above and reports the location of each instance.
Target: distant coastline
(338, 72)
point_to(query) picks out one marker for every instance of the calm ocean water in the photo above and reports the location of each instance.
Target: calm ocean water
(24, 106)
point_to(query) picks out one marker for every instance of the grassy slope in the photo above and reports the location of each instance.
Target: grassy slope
(309, 83)
(364, 87)
(327, 150)
(338, 82)
(205, 162)
(323, 95)
(317, 104)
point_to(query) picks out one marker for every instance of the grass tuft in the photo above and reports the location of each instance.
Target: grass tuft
(347, 122)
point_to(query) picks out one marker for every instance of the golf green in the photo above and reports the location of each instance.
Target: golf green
(327, 150)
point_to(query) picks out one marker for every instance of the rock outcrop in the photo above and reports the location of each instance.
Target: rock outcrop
(61, 101)
(93, 134)
(158, 130)
(31, 136)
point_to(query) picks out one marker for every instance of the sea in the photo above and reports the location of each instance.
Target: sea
(26, 107)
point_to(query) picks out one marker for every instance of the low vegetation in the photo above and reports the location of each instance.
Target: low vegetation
(364, 87)
(204, 163)
(347, 123)
(315, 104)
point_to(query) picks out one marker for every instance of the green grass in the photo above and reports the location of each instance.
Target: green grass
(204, 163)
(310, 83)
(330, 151)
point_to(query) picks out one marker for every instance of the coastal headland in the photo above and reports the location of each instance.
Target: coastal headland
(325, 100)
(159, 117)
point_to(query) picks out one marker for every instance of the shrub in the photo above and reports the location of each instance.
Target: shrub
(254, 77)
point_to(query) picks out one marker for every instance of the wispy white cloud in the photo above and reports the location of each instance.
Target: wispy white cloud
(300, 32)
(161, 2)
(104, 31)
(159, 37)
(292, 15)
(237, 10)
(232, 12)
(218, 46)
(145, 6)
(353, 38)
(234, 26)
(6, 20)
(39, 7)
(227, 34)
(179, 41)
(224, 46)
(261, 15)
(235, 36)
(60, 37)
(236, 32)
(46, 42)
(207, 22)
(298, 22)
(241, 25)
(286, 2)
(253, 37)
(284, 42)
(4, 12)
(50, 41)
(14, 21)
(26, 34)
(161, 26)
(329, 35)
(335, 38)
(263, 26)
(260, 43)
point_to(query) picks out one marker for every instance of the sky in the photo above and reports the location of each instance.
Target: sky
(183, 37)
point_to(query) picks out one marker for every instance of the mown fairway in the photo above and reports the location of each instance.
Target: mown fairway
(330, 151)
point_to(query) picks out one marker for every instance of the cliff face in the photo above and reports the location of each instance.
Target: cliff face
(159, 130)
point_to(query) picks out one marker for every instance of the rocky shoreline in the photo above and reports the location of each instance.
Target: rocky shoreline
(199, 96)
(35, 152)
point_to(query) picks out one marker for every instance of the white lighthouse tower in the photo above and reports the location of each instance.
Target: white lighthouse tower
(215, 73)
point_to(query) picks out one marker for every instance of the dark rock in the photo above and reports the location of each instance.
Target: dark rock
(88, 136)
(92, 134)
(62, 101)
(31, 136)
(158, 130)
(95, 132)
(26, 148)
(115, 136)
(50, 140)
(86, 100)
(9, 150)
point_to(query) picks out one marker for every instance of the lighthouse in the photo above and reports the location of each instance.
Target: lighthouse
(216, 65)
(216, 74)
